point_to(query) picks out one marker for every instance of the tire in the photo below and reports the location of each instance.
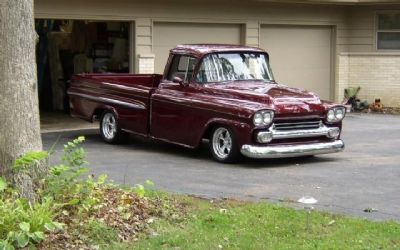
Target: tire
(307, 157)
(223, 145)
(110, 130)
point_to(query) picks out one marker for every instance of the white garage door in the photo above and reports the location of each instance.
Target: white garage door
(300, 56)
(168, 35)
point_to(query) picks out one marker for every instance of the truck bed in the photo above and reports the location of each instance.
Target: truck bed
(127, 94)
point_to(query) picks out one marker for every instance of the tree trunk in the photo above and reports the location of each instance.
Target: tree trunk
(19, 108)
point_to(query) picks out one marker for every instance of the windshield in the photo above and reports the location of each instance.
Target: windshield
(221, 67)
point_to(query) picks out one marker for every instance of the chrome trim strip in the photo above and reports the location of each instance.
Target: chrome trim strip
(301, 133)
(108, 100)
(282, 151)
(116, 86)
(293, 123)
(297, 127)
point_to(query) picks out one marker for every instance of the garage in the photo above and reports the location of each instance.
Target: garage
(168, 35)
(300, 56)
(68, 47)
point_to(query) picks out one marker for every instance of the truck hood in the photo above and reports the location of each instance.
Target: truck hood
(281, 98)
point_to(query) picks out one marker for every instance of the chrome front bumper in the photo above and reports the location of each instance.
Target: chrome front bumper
(283, 151)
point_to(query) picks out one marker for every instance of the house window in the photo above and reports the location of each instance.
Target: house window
(388, 32)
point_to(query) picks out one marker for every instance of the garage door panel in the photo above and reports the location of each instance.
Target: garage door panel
(168, 35)
(300, 56)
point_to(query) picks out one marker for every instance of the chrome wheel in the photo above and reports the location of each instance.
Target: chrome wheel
(222, 143)
(109, 126)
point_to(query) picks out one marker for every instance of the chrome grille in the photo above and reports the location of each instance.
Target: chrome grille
(297, 125)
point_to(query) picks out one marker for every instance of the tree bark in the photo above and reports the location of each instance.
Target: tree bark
(19, 108)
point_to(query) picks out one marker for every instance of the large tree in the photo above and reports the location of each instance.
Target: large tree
(19, 109)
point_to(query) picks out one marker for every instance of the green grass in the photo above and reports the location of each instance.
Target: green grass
(99, 234)
(265, 226)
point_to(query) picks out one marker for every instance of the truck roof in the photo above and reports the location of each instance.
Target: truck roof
(200, 50)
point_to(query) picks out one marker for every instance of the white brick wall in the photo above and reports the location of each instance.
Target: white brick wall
(342, 77)
(146, 63)
(377, 74)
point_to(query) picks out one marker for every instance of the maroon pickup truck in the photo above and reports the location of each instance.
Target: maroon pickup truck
(225, 94)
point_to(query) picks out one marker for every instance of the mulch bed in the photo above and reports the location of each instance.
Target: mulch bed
(124, 211)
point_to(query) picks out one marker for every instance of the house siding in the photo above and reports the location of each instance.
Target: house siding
(376, 72)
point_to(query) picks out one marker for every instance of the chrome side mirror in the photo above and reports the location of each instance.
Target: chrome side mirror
(179, 80)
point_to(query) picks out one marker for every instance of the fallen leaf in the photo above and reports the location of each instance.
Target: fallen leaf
(331, 222)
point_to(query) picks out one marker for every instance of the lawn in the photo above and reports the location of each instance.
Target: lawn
(240, 225)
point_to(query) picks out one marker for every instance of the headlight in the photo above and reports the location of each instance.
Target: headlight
(339, 114)
(263, 118)
(331, 115)
(335, 114)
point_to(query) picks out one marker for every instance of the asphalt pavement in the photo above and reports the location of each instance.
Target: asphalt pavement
(365, 177)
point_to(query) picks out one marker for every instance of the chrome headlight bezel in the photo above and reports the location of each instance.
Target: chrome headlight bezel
(263, 118)
(335, 115)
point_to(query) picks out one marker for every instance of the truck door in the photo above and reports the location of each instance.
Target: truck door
(171, 101)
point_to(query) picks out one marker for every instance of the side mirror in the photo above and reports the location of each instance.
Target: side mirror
(179, 80)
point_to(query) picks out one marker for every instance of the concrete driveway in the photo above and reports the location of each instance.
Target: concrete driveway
(365, 176)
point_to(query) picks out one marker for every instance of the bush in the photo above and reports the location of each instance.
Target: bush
(93, 212)
(25, 224)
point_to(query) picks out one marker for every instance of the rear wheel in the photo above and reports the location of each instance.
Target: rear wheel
(110, 130)
(223, 145)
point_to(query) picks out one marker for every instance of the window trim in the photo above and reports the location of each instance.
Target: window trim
(377, 30)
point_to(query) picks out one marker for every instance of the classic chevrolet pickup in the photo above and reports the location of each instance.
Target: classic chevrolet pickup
(223, 93)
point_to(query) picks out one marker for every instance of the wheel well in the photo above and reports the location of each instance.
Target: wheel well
(97, 113)
(210, 129)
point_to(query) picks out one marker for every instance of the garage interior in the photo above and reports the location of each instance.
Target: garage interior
(68, 47)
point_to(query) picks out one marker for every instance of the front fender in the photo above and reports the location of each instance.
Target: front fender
(241, 129)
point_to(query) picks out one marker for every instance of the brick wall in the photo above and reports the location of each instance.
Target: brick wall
(146, 63)
(377, 74)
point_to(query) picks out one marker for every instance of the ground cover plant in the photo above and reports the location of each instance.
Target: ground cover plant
(77, 210)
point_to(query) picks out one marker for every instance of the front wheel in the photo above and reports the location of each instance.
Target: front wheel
(110, 130)
(223, 145)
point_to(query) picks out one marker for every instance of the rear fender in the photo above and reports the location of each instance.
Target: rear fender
(100, 110)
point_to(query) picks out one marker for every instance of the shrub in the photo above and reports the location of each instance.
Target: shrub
(23, 223)
(98, 211)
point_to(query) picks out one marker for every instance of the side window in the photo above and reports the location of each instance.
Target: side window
(388, 31)
(182, 66)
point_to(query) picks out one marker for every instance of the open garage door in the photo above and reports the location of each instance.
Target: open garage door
(168, 35)
(67, 47)
(300, 56)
